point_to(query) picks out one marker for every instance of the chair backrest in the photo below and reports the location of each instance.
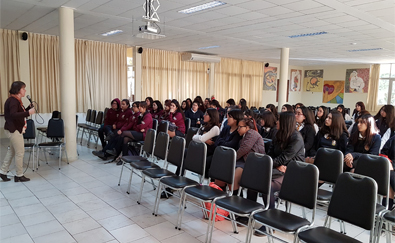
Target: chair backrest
(105, 113)
(149, 142)
(56, 114)
(175, 156)
(99, 118)
(30, 132)
(55, 128)
(187, 123)
(161, 145)
(195, 160)
(257, 173)
(330, 164)
(88, 115)
(300, 184)
(155, 125)
(93, 116)
(354, 200)
(190, 132)
(163, 126)
(377, 168)
(223, 164)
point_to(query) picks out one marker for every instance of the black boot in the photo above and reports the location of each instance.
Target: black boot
(21, 179)
(4, 177)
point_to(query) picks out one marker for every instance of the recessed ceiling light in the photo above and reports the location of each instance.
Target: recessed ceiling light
(202, 7)
(309, 34)
(353, 43)
(112, 32)
(150, 36)
(370, 49)
(207, 47)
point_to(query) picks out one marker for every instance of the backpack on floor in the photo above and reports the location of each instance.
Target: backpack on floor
(220, 211)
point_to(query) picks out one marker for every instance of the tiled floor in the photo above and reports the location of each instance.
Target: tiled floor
(82, 203)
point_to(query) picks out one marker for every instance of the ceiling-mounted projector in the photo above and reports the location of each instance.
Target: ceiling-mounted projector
(149, 27)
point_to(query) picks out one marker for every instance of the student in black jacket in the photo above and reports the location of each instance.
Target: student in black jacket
(195, 114)
(332, 135)
(385, 119)
(364, 141)
(389, 150)
(268, 125)
(305, 125)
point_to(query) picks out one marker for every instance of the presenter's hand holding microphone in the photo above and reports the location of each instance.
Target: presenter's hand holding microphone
(31, 108)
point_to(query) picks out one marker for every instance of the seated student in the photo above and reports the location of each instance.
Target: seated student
(109, 120)
(149, 102)
(272, 109)
(189, 102)
(268, 125)
(385, 119)
(207, 103)
(229, 137)
(166, 111)
(157, 110)
(176, 119)
(332, 135)
(287, 107)
(342, 110)
(184, 106)
(358, 111)
(195, 115)
(305, 125)
(209, 131)
(243, 105)
(297, 105)
(230, 102)
(320, 117)
(364, 141)
(199, 101)
(389, 150)
(221, 111)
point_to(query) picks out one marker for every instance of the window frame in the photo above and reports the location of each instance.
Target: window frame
(391, 82)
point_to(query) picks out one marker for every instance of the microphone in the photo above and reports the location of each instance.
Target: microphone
(28, 97)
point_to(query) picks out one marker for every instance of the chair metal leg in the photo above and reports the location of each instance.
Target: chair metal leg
(211, 221)
(89, 139)
(130, 180)
(157, 200)
(234, 224)
(183, 206)
(67, 158)
(46, 161)
(33, 158)
(120, 176)
(141, 188)
(60, 155)
(153, 184)
(82, 136)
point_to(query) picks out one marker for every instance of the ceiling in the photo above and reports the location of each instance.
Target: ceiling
(243, 29)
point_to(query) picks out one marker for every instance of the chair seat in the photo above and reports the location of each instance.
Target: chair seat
(178, 181)
(130, 159)
(238, 204)
(143, 165)
(281, 220)
(42, 129)
(205, 192)
(83, 125)
(94, 128)
(157, 172)
(323, 234)
(29, 145)
(50, 144)
(390, 216)
(324, 195)
(379, 208)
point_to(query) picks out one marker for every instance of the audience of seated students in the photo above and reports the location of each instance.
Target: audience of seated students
(157, 110)
(358, 111)
(320, 117)
(184, 106)
(342, 110)
(268, 125)
(366, 140)
(305, 125)
(109, 120)
(189, 102)
(230, 102)
(207, 103)
(221, 111)
(166, 111)
(272, 109)
(176, 119)
(389, 151)
(210, 130)
(287, 107)
(385, 119)
(297, 105)
(333, 135)
(199, 100)
(149, 102)
(195, 115)
(242, 105)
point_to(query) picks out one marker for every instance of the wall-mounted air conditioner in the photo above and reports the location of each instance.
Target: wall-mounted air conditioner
(193, 57)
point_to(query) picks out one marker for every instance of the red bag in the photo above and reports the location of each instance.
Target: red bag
(220, 211)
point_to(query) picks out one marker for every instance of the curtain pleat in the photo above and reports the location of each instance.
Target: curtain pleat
(373, 89)
(9, 63)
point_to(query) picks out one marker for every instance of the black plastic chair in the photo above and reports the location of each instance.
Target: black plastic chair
(105, 113)
(91, 123)
(155, 124)
(163, 126)
(300, 185)
(30, 134)
(386, 223)
(55, 130)
(160, 153)
(147, 149)
(42, 131)
(87, 122)
(190, 133)
(187, 124)
(257, 176)
(222, 168)
(94, 128)
(353, 201)
(377, 168)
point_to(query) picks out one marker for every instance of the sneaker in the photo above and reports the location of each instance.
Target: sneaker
(21, 179)
(97, 153)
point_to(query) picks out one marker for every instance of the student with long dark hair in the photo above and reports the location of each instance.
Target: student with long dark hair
(157, 110)
(184, 106)
(389, 150)
(342, 110)
(358, 111)
(287, 107)
(149, 102)
(385, 119)
(230, 102)
(332, 135)
(189, 102)
(122, 120)
(209, 131)
(166, 111)
(320, 117)
(221, 111)
(109, 120)
(207, 103)
(176, 119)
(243, 105)
(268, 125)
(272, 109)
(366, 140)
(199, 100)
(305, 125)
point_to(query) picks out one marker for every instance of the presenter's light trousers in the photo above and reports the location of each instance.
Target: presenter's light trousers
(17, 150)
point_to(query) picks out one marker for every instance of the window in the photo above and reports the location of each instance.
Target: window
(386, 91)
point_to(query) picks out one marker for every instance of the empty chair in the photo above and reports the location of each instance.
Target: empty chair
(87, 121)
(190, 132)
(55, 130)
(257, 176)
(353, 201)
(299, 187)
(94, 128)
(387, 223)
(43, 130)
(30, 134)
(91, 122)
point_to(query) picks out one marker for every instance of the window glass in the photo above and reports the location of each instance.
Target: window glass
(385, 70)
(382, 98)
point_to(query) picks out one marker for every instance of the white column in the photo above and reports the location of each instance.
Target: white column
(282, 86)
(67, 79)
(137, 65)
(211, 80)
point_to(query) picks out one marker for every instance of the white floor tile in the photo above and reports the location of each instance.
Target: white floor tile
(163, 230)
(71, 216)
(129, 233)
(30, 209)
(6, 210)
(81, 226)
(45, 228)
(58, 237)
(36, 218)
(98, 235)
(25, 238)
(148, 220)
(115, 222)
(148, 239)
(181, 238)
(12, 231)
(9, 219)
(103, 213)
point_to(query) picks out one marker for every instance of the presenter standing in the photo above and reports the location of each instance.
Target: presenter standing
(15, 125)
